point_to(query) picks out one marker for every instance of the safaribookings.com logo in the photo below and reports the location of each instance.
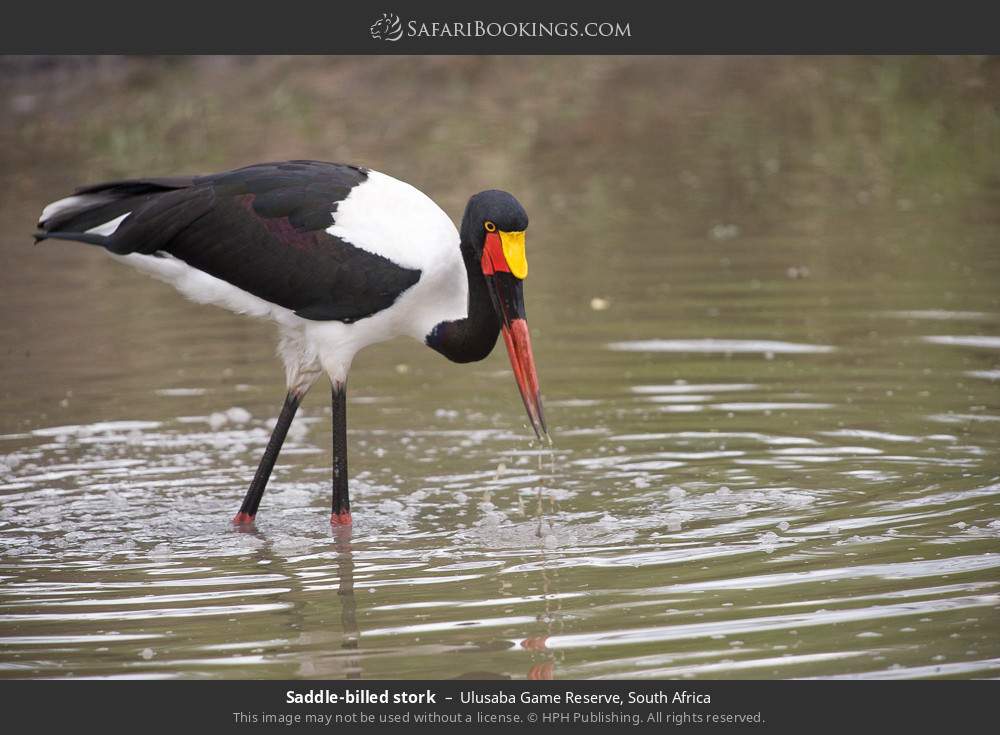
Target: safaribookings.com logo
(387, 28)
(390, 28)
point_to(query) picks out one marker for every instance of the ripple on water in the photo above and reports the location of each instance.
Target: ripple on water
(986, 342)
(984, 374)
(734, 346)
(941, 314)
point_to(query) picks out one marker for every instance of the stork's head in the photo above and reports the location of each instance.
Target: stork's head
(494, 224)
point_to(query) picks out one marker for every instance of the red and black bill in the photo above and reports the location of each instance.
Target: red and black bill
(507, 292)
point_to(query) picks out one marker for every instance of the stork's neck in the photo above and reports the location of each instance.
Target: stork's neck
(472, 337)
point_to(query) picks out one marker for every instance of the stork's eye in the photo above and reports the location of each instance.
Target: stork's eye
(490, 227)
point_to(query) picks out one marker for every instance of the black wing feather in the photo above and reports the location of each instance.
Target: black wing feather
(261, 228)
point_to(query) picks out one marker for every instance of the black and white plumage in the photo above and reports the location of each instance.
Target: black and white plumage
(262, 229)
(340, 257)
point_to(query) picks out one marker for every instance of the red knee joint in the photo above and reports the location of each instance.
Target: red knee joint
(242, 519)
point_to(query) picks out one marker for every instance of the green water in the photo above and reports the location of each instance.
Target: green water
(766, 317)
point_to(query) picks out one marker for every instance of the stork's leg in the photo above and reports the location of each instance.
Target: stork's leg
(252, 500)
(341, 514)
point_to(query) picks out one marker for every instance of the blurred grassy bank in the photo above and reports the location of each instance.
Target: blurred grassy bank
(691, 140)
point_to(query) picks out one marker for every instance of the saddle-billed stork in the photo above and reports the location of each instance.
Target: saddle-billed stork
(339, 256)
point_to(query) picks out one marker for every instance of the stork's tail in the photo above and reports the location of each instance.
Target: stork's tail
(87, 237)
(93, 213)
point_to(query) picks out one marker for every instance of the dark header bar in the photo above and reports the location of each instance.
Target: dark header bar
(513, 26)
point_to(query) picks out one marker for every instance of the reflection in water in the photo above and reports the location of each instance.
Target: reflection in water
(551, 619)
(347, 662)
(348, 605)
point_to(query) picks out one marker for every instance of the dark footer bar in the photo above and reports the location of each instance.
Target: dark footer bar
(255, 706)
